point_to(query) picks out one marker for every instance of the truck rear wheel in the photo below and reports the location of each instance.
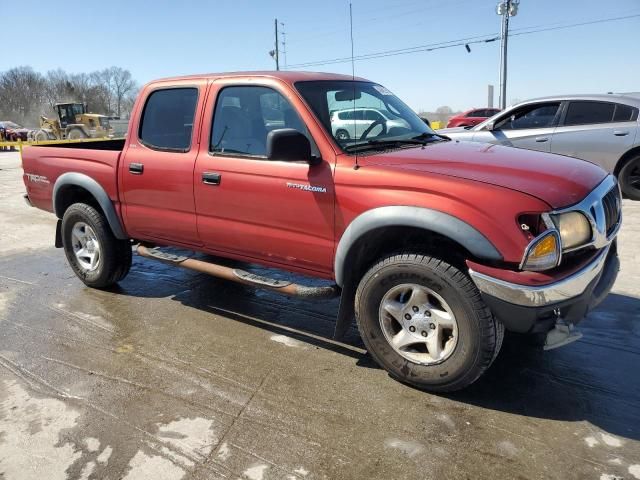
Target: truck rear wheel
(423, 321)
(95, 255)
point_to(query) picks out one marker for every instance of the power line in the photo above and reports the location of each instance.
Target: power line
(366, 21)
(592, 22)
(402, 51)
(453, 43)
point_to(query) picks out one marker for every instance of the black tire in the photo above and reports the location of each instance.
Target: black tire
(41, 136)
(629, 178)
(76, 134)
(342, 134)
(479, 336)
(115, 255)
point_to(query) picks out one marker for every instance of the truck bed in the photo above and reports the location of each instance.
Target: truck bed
(43, 164)
(106, 144)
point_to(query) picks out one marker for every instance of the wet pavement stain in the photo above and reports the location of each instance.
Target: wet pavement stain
(211, 380)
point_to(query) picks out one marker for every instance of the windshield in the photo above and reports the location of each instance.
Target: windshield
(9, 125)
(360, 114)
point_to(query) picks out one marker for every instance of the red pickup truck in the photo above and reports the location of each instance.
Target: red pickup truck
(435, 246)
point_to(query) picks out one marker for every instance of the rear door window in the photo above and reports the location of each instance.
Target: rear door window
(372, 115)
(586, 113)
(167, 119)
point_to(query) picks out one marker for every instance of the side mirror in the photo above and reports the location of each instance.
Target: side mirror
(490, 126)
(288, 144)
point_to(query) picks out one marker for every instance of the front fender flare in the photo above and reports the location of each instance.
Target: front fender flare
(95, 189)
(408, 216)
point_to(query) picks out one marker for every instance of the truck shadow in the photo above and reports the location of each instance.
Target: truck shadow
(594, 379)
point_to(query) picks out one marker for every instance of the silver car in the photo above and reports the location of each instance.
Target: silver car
(352, 123)
(602, 129)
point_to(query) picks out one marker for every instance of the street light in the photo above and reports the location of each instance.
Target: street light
(506, 8)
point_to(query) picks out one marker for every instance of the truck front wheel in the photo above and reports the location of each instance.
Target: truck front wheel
(423, 321)
(95, 255)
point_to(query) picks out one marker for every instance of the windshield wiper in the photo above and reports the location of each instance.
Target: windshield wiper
(384, 144)
(421, 140)
(434, 137)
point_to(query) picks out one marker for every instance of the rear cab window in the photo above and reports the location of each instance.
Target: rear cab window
(167, 119)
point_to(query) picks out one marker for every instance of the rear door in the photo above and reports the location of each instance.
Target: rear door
(157, 171)
(596, 131)
(529, 126)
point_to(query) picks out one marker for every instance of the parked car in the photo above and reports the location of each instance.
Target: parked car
(435, 246)
(602, 129)
(353, 123)
(12, 132)
(471, 117)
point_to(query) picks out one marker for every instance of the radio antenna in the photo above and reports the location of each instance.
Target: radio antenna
(353, 79)
(353, 66)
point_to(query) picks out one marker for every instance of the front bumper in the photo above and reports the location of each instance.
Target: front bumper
(524, 308)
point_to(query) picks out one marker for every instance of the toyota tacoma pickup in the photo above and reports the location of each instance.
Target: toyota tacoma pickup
(435, 246)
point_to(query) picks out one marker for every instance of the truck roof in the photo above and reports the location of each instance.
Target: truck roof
(286, 76)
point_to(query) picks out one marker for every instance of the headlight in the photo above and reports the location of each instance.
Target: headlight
(543, 252)
(574, 229)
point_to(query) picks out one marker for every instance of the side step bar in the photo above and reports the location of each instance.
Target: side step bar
(239, 276)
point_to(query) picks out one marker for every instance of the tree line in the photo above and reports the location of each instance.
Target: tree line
(26, 94)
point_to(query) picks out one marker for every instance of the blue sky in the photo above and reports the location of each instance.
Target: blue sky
(159, 38)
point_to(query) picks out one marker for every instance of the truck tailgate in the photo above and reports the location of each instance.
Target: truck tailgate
(43, 165)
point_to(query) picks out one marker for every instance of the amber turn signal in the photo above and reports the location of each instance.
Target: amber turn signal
(543, 252)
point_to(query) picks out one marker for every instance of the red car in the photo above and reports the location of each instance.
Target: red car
(435, 246)
(12, 132)
(472, 117)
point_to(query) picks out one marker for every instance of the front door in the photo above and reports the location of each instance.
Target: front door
(273, 211)
(530, 126)
(157, 174)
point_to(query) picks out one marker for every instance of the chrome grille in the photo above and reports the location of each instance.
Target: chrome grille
(611, 206)
(602, 207)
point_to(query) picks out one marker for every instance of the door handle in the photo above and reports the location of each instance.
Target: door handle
(136, 168)
(620, 133)
(542, 139)
(211, 178)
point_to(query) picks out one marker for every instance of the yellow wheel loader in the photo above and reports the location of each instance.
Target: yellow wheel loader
(73, 123)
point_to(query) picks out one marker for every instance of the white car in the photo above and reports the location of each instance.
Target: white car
(352, 123)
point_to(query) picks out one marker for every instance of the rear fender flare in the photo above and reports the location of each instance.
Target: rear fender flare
(95, 189)
(408, 216)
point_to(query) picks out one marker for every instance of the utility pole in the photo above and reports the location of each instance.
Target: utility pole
(277, 55)
(283, 43)
(506, 8)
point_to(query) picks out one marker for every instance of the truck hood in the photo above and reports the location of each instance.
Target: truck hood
(555, 179)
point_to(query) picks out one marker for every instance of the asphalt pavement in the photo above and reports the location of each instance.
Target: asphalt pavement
(176, 375)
